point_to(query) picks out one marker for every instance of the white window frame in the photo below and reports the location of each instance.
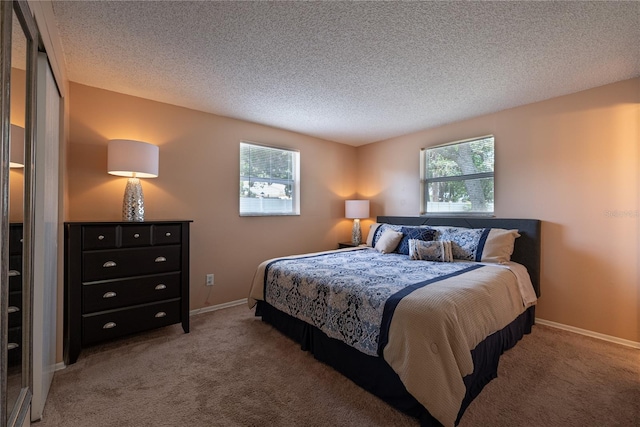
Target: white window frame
(424, 181)
(263, 209)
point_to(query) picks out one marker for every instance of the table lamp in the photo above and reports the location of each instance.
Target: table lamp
(133, 159)
(356, 210)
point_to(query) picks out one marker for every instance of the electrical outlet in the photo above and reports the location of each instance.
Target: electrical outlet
(210, 279)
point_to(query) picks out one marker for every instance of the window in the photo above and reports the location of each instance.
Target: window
(269, 180)
(458, 177)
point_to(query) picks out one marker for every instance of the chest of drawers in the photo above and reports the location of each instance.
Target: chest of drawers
(122, 278)
(14, 335)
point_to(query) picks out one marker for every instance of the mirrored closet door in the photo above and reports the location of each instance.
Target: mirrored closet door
(18, 41)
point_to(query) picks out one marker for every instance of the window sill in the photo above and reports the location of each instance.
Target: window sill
(268, 214)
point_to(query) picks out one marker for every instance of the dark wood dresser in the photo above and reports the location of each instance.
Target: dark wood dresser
(122, 278)
(15, 295)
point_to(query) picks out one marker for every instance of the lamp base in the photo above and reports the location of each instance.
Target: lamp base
(133, 203)
(356, 234)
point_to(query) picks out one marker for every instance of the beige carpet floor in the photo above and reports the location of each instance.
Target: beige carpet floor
(234, 370)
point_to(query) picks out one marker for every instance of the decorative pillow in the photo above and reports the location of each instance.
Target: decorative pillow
(479, 244)
(418, 233)
(372, 231)
(464, 241)
(499, 245)
(381, 229)
(388, 242)
(435, 250)
(448, 255)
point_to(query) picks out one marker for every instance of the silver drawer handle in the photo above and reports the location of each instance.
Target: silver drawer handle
(109, 295)
(160, 287)
(167, 234)
(13, 273)
(109, 325)
(161, 314)
(160, 259)
(13, 309)
(109, 264)
(21, 240)
(12, 345)
(101, 237)
(136, 235)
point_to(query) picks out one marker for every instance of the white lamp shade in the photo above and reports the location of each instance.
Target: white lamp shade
(132, 158)
(16, 156)
(356, 209)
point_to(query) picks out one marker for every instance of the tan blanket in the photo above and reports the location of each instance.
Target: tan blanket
(434, 329)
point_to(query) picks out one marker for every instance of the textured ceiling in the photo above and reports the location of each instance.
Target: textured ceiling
(351, 72)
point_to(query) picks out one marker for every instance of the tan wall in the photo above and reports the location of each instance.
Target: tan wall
(199, 173)
(16, 175)
(572, 162)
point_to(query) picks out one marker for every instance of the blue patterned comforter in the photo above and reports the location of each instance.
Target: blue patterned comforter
(351, 295)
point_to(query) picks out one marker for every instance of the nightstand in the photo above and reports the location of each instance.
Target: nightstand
(342, 245)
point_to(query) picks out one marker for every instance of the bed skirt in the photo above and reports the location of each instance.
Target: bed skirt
(376, 376)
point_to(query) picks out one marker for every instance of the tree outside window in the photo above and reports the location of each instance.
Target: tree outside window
(459, 177)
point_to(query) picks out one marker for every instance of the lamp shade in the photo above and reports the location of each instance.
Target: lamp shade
(356, 209)
(132, 158)
(16, 156)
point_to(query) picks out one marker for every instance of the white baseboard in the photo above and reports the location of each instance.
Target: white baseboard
(218, 307)
(588, 333)
(59, 366)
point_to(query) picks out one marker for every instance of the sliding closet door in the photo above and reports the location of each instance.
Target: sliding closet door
(18, 56)
(45, 236)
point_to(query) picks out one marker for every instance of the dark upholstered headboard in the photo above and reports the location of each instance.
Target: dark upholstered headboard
(527, 247)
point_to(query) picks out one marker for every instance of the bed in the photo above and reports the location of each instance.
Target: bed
(426, 337)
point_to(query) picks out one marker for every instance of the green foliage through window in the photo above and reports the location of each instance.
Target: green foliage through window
(458, 177)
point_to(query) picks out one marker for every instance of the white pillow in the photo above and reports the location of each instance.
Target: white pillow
(499, 245)
(372, 231)
(388, 242)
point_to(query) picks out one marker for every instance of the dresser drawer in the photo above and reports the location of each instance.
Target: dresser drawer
(15, 273)
(14, 346)
(99, 236)
(15, 309)
(114, 264)
(15, 239)
(15, 335)
(167, 234)
(136, 235)
(120, 293)
(116, 323)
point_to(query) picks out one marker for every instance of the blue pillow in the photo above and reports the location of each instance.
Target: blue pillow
(466, 243)
(419, 233)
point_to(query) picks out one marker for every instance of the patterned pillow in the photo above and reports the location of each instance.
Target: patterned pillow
(436, 250)
(479, 244)
(464, 241)
(388, 242)
(418, 233)
(377, 229)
